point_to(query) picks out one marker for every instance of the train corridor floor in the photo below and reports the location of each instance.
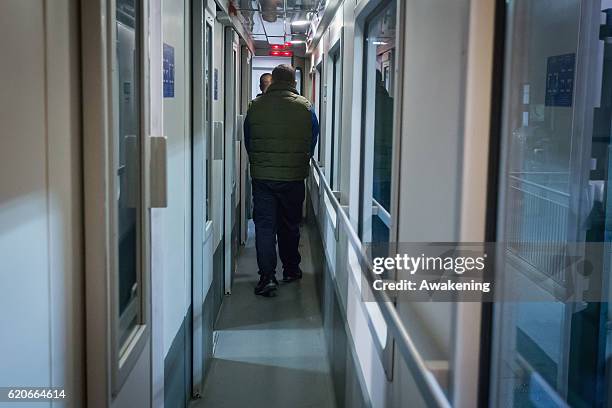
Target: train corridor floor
(270, 351)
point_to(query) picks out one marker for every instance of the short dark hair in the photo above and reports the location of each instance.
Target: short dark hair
(261, 78)
(283, 73)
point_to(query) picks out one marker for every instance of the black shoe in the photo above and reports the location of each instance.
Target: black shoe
(267, 286)
(292, 276)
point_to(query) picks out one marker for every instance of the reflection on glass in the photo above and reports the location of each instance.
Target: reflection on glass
(236, 109)
(298, 79)
(336, 96)
(127, 134)
(553, 194)
(378, 143)
(208, 82)
(319, 102)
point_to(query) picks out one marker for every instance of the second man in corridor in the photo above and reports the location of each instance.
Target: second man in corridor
(280, 132)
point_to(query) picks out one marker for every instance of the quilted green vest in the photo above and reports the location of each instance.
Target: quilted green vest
(281, 134)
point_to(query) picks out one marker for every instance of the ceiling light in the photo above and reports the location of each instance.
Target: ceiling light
(300, 22)
(379, 43)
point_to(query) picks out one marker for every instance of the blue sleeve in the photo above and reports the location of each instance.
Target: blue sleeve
(315, 131)
(247, 134)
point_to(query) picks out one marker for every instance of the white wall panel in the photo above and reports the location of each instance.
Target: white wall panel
(23, 201)
(40, 192)
(177, 216)
(432, 126)
(432, 115)
(157, 214)
(369, 360)
(64, 198)
(132, 394)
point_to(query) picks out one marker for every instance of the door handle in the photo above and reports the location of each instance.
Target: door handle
(218, 140)
(158, 170)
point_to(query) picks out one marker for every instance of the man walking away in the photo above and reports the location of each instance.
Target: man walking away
(280, 132)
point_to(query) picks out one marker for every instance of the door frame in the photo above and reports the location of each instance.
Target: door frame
(245, 196)
(231, 69)
(485, 363)
(107, 371)
(479, 150)
(201, 224)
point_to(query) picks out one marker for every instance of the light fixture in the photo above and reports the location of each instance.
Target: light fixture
(379, 43)
(300, 22)
(297, 42)
(280, 53)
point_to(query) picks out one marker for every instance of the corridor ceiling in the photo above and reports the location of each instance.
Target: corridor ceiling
(275, 22)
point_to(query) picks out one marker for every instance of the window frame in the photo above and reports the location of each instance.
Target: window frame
(319, 100)
(208, 100)
(124, 356)
(369, 211)
(334, 110)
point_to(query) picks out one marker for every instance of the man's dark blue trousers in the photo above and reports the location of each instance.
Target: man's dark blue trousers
(277, 213)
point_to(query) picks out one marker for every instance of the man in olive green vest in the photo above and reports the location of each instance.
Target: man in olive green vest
(280, 135)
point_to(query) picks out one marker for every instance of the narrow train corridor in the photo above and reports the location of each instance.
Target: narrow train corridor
(456, 157)
(270, 352)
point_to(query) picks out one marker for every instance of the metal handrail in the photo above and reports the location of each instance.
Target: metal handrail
(540, 186)
(382, 213)
(430, 388)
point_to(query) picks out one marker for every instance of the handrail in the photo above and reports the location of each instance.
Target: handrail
(430, 388)
(540, 186)
(382, 213)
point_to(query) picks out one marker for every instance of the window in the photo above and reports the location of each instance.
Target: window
(319, 100)
(336, 118)
(553, 178)
(127, 140)
(298, 80)
(377, 127)
(209, 129)
(235, 110)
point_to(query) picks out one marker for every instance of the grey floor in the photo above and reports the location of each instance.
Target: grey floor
(270, 351)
